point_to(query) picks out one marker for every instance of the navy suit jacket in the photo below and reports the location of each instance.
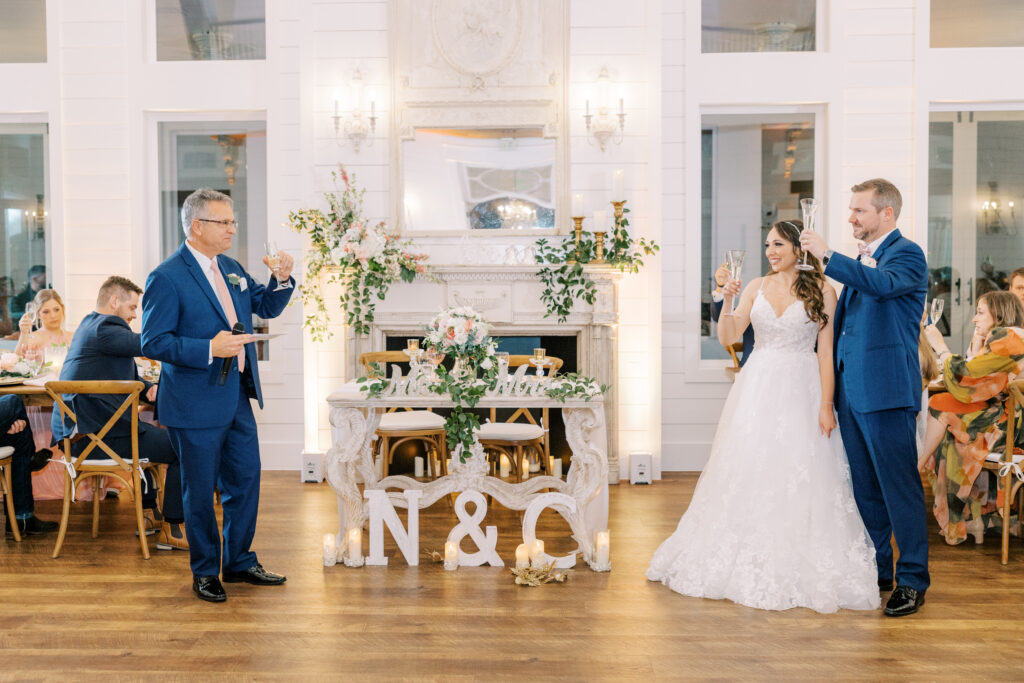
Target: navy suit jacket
(180, 315)
(103, 348)
(877, 324)
(748, 334)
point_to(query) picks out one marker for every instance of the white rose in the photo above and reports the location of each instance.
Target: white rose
(487, 364)
(460, 338)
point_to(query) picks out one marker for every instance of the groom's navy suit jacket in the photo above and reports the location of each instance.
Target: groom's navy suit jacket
(877, 325)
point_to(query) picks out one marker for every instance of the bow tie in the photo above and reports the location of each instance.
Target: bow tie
(864, 249)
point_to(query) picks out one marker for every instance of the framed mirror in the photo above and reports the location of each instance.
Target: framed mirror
(479, 180)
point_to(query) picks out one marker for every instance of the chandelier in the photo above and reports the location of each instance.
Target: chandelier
(517, 215)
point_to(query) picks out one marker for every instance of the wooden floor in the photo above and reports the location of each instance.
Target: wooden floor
(101, 611)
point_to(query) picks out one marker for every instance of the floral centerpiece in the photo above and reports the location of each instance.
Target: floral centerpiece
(347, 249)
(14, 366)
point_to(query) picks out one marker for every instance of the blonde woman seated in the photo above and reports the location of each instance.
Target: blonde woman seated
(968, 421)
(46, 327)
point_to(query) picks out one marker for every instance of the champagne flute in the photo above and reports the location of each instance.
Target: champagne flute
(810, 208)
(30, 316)
(734, 262)
(938, 303)
(274, 260)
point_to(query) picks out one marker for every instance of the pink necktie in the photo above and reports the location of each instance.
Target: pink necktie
(227, 305)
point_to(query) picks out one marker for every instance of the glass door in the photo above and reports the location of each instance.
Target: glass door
(975, 191)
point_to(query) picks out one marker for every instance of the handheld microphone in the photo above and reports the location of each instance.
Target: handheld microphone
(225, 367)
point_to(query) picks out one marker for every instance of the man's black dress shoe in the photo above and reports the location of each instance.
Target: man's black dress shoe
(32, 526)
(208, 588)
(256, 575)
(903, 601)
(885, 585)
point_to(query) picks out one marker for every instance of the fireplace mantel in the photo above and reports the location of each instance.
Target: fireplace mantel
(509, 298)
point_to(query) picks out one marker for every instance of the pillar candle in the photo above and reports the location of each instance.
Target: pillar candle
(355, 544)
(504, 467)
(524, 469)
(451, 555)
(599, 220)
(522, 556)
(417, 466)
(577, 205)
(556, 469)
(618, 185)
(601, 549)
(536, 550)
(330, 550)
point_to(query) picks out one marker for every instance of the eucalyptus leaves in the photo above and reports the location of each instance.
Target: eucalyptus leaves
(563, 276)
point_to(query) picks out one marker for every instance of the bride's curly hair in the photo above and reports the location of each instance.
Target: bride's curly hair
(808, 283)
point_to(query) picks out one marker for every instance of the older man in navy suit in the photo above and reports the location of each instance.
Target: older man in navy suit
(104, 348)
(193, 301)
(878, 384)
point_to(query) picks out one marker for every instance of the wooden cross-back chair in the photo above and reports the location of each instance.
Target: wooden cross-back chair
(734, 369)
(78, 468)
(514, 439)
(396, 428)
(1005, 462)
(6, 460)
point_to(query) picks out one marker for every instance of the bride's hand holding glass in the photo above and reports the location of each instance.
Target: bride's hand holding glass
(731, 291)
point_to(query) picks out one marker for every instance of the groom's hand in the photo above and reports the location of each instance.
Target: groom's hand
(813, 243)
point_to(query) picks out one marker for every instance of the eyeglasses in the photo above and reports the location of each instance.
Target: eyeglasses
(230, 224)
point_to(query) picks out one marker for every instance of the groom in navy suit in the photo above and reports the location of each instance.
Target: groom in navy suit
(193, 301)
(878, 384)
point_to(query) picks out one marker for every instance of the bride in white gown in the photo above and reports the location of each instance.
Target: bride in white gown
(773, 523)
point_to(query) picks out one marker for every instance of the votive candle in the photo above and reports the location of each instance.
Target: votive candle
(524, 469)
(601, 547)
(412, 344)
(556, 466)
(355, 544)
(522, 556)
(417, 466)
(504, 467)
(451, 555)
(330, 550)
(536, 550)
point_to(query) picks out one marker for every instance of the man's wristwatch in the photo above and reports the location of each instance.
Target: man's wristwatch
(826, 256)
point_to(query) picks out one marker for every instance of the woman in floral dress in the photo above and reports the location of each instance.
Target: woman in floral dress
(968, 421)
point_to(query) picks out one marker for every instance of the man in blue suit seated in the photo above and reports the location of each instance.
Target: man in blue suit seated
(16, 433)
(194, 300)
(104, 348)
(878, 384)
(721, 277)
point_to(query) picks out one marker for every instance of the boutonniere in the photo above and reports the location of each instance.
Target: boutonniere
(238, 281)
(869, 262)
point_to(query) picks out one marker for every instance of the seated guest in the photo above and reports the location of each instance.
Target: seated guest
(104, 348)
(16, 432)
(968, 421)
(722, 276)
(1017, 284)
(49, 320)
(36, 283)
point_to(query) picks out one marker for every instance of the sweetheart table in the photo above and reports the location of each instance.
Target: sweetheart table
(354, 418)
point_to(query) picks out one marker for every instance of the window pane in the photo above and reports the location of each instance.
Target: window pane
(23, 218)
(977, 23)
(22, 30)
(757, 26)
(755, 169)
(210, 29)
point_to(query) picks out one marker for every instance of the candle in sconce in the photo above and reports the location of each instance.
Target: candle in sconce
(355, 544)
(577, 205)
(618, 185)
(600, 216)
(601, 548)
(451, 555)
(504, 467)
(417, 466)
(330, 550)
(522, 556)
(536, 551)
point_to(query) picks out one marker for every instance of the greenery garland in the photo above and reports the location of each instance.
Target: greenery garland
(564, 280)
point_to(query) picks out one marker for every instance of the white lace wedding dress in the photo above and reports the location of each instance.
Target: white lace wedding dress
(773, 523)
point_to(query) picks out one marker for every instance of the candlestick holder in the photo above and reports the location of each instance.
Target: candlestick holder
(599, 247)
(577, 229)
(618, 210)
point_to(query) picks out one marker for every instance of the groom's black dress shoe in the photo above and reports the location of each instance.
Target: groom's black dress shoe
(885, 585)
(31, 526)
(903, 601)
(208, 588)
(256, 575)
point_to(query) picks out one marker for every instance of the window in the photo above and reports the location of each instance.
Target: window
(977, 23)
(755, 169)
(24, 219)
(203, 30)
(22, 31)
(757, 26)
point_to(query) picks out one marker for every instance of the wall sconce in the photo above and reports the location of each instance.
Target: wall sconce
(602, 126)
(992, 220)
(357, 128)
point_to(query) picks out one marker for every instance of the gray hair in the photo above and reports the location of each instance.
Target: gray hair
(196, 202)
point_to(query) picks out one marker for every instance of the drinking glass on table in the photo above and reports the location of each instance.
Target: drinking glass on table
(34, 356)
(274, 260)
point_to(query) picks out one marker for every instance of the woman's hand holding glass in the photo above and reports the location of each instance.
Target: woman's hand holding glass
(730, 291)
(280, 264)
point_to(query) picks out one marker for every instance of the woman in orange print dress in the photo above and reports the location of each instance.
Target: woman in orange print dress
(968, 421)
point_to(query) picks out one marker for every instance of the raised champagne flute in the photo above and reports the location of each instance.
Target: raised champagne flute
(30, 316)
(810, 208)
(734, 262)
(938, 303)
(274, 261)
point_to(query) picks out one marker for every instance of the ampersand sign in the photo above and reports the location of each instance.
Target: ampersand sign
(469, 525)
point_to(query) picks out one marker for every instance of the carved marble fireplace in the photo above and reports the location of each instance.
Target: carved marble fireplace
(509, 298)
